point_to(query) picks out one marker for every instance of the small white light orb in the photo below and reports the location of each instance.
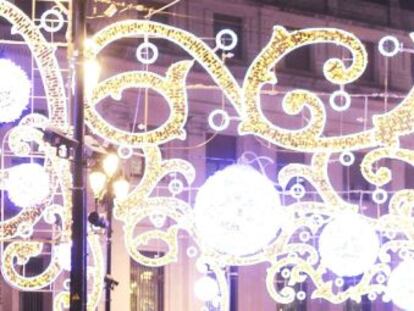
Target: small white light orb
(175, 186)
(389, 46)
(340, 101)
(28, 185)
(401, 285)
(380, 196)
(224, 120)
(63, 255)
(147, 53)
(52, 20)
(192, 252)
(297, 191)
(206, 288)
(158, 219)
(125, 152)
(347, 158)
(339, 282)
(237, 211)
(14, 91)
(301, 295)
(349, 245)
(222, 39)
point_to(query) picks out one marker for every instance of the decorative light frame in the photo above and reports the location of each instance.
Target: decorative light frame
(300, 260)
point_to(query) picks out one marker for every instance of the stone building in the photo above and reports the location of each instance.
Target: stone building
(385, 83)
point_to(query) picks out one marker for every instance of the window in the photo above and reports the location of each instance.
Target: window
(220, 152)
(355, 186)
(147, 286)
(407, 4)
(383, 2)
(24, 5)
(34, 301)
(233, 23)
(299, 59)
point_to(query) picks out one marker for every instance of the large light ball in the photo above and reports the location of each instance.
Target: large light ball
(237, 211)
(349, 245)
(28, 185)
(206, 288)
(14, 91)
(401, 285)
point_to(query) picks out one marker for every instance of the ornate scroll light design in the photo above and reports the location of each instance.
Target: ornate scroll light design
(299, 260)
(96, 272)
(18, 231)
(44, 54)
(173, 90)
(14, 91)
(199, 50)
(174, 208)
(295, 260)
(260, 73)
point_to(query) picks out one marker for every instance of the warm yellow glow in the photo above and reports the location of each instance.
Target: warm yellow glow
(97, 182)
(296, 261)
(92, 72)
(121, 189)
(110, 164)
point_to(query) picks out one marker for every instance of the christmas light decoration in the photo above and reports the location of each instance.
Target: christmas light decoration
(349, 245)
(14, 91)
(206, 289)
(237, 211)
(306, 240)
(401, 285)
(28, 185)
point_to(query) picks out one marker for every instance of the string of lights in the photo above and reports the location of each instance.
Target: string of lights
(242, 236)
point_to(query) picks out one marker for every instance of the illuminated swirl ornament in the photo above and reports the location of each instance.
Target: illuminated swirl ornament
(237, 211)
(172, 88)
(401, 285)
(349, 245)
(28, 185)
(261, 73)
(14, 91)
(238, 218)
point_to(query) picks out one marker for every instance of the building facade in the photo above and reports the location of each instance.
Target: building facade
(384, 84)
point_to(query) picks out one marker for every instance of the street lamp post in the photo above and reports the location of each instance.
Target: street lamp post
(107, 184)
(78, 274)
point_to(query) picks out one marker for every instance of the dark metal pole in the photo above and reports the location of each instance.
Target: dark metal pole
(78, 274)
(108, 288)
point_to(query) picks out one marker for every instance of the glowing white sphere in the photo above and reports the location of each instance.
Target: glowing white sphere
(237, 211)
(349, 245)
(401, 285)
(14, 91)
(28, 184)
(206, 288)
